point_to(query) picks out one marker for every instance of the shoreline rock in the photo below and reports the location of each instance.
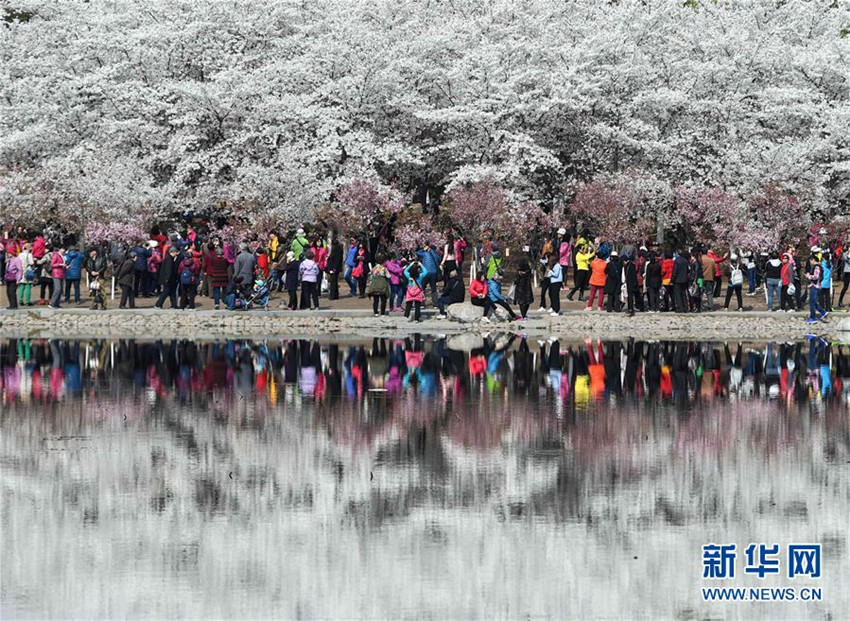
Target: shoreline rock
(207, 325)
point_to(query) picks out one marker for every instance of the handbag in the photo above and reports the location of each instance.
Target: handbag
(791, 290)
(511, 293)
(357, 272)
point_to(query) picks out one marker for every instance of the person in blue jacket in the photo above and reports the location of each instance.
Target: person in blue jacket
(74, 259)
(430, 261)
(140, 270)
(350, 262)
(494, 291)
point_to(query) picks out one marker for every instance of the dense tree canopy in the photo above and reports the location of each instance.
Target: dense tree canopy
(130, 111)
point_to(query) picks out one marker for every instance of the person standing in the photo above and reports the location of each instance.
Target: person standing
(448, 264)
(736, 283)
(679, 279)
(309, 272)
(582, 273)
(28, 275)
(773, 278)
(429, 260)
(396, 273)
(523, 291)
(543, 268)
(786, 275)
(126, 278)
(140, 270)
(414, 296)
(630, 277)
(708, 265)
(814, 276)
(217, 266)
(597, 282)
(652, 280)
(243, 268)
(613, 283)
(826, 281)
(13, 275)
(57, 273)
(299, 244)
(378, 287)
(290, 280)
(73, 274)
(334, 267)
(555, 276)
(845, 262)
(350, 264)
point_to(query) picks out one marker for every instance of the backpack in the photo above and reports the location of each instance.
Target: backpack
(187, 277)
(737, 276)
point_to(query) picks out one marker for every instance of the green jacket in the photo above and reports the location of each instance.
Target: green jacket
(298, 246)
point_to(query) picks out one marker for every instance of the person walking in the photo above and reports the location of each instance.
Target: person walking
(543, 268)
(350, 264)
(826, 281)
(169, 277)
(190, 271)
(787, 300)
(57, 273)
(736, 283)
(395, 268)
(845, 262)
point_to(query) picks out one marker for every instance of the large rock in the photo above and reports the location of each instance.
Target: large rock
(466, 341)
(464, 312)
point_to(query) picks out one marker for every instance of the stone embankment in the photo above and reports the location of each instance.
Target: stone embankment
(207, 325)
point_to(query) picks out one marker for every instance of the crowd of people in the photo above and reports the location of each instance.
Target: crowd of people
(176, 268)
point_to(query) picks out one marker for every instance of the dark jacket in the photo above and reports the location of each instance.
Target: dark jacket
(125, 273)
(630, 273)
(291, 271)
(168, 270)
(96, 264)
(335, 257)
(680, 271)
(142, 256)
(522, 286)
(613, 276)
(454, 290)
(653, 275)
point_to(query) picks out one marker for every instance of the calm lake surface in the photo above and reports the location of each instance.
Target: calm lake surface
(407, 479)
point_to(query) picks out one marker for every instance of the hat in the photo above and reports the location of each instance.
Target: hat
(290, 256)
(299, 232)
(816, 249)
(613, 254)
(733, 257)
(562, 231)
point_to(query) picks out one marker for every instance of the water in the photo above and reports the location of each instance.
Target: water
(402, 479)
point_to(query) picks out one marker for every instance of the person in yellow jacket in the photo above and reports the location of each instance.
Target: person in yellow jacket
(583, 259)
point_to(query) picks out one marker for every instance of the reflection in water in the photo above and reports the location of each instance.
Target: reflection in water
(404, 478)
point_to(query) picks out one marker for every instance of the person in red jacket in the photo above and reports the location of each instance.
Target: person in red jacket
(667, 279)
(478, 294)
(216, 268)
(57, 272)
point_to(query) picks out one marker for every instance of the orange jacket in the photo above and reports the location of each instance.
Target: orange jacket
(597, 272)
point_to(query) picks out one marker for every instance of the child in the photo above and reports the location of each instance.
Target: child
(415, 295)
(98, 300)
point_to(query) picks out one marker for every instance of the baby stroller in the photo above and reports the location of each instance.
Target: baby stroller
(98, 300)
(242, 299)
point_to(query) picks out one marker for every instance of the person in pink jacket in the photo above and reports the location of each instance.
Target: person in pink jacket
(57, 273)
